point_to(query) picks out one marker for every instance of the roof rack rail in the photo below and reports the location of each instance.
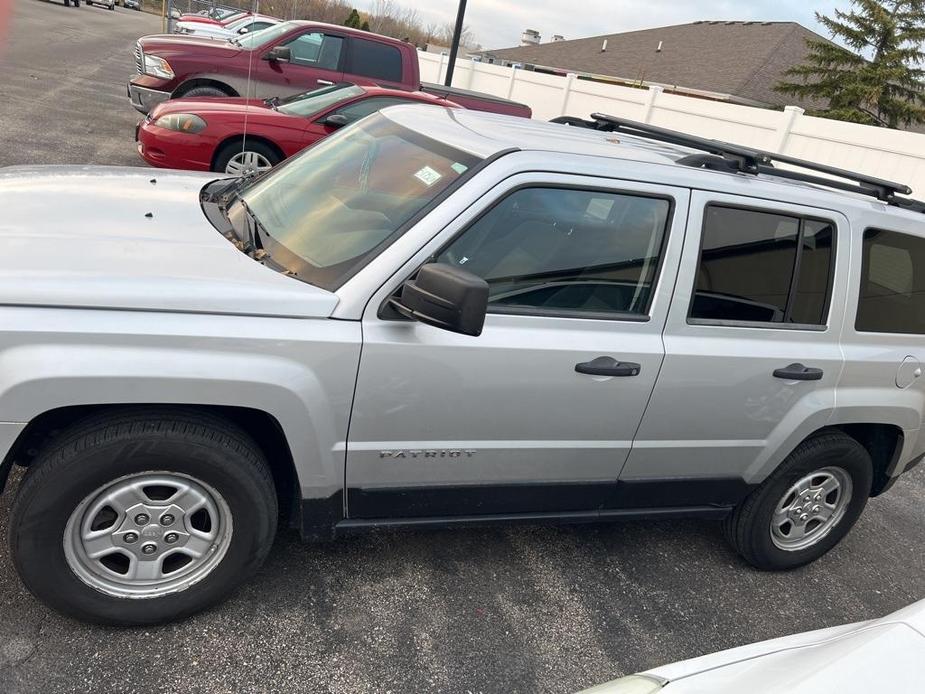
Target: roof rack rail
(723, 156)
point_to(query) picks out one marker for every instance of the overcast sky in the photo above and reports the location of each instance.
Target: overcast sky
(499, 23)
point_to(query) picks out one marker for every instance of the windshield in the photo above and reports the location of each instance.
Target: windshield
(309, 103)
(262, 38)
(346, 198)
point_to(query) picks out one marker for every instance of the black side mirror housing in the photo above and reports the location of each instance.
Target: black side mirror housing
(445, 297)
(336, 120)
(280, 54)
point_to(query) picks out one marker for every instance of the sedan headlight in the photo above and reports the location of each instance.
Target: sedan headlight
(158, 67)
(181, 122)
(634, 684)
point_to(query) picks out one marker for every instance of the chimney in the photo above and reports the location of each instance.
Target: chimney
(557, 37)
(530, 37)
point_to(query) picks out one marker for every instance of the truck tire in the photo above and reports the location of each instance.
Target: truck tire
(806, 506)
(203, 91)
(240, 158)
(143, 517)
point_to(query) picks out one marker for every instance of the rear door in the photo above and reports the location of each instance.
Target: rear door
(538, 413)
(375, 62)
(752, 347)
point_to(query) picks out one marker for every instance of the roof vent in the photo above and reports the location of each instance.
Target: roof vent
(659, 47)
(604, 46)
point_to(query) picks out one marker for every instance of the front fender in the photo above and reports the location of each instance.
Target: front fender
(311, 406)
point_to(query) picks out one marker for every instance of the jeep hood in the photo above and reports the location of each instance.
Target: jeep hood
(131, 239)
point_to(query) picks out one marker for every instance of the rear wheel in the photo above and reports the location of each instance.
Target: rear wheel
(143, 518)
(806, 507)
(245, 158)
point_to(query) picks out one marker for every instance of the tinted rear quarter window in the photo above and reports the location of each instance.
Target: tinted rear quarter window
(892, 294)
(375, 60)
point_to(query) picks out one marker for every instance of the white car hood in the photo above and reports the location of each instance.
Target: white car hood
(131, 239)
(884, 655)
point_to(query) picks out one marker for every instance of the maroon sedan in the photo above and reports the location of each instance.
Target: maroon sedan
(208, 134)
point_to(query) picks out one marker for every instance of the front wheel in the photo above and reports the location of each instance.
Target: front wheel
(143, 518)
(245, 158)
(806, 506)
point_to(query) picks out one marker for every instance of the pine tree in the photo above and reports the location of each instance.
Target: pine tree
(877, 79)
(353, 20)
(365, 25)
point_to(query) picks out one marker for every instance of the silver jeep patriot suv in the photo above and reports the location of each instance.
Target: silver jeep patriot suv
(443, 317)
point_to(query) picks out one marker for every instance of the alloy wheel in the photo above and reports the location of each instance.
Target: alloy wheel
(147, 535)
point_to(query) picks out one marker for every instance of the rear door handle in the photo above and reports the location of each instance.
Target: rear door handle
(325, 83)
(608, 366)
(798, 372)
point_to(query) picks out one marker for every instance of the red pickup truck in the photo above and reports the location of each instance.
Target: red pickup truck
(282, 60)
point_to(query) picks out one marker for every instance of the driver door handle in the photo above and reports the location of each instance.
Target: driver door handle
(608, 366)
(325, 83)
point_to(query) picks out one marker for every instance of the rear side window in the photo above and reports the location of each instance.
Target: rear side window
(375, 60)
(763, 267)
(892, 293)
(559, 251)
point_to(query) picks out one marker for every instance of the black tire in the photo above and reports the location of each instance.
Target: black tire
(748, 527)
(203, 91)
(98, 451)
(235, 147)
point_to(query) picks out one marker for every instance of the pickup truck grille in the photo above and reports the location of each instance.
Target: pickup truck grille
(139, 59)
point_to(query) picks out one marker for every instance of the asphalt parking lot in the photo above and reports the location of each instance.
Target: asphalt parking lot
(523, 609)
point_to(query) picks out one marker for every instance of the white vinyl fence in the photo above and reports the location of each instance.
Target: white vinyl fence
(892, 154)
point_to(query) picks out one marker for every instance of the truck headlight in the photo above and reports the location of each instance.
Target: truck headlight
(634, 684)
(181, 123)
(158, 67)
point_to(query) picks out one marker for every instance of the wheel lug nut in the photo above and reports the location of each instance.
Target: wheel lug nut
(167, 519)
(804, 517)
(170, 538)
(142, 519)
(815, 509)
(129, 538)
(150, 548)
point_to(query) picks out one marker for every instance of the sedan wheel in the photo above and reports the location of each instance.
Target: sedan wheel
(247, 163)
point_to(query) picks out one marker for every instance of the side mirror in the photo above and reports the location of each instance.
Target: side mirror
(280, 54)
(445, 297)
(243, 30)
(336, 120)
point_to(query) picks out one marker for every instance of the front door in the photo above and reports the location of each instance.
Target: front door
(316, 61)
(752, 350)
(538, 413)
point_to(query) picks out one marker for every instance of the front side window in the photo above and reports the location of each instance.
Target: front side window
(361, 109)
(763, 267)
(566, 252)
(346, 198)
(375, 60)
(316, 50)
(308, 104)
(892, 293)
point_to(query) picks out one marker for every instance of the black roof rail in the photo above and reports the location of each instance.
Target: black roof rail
(724, 156)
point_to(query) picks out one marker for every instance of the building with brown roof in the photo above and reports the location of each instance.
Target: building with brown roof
(739, 62)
